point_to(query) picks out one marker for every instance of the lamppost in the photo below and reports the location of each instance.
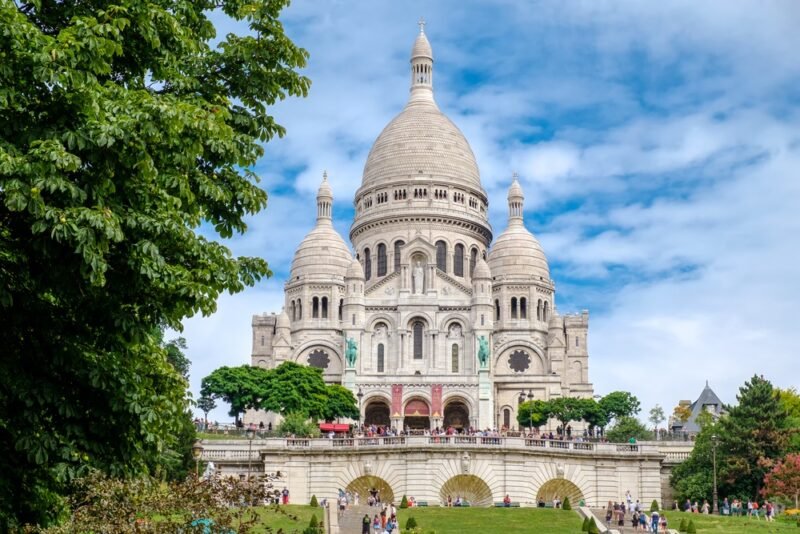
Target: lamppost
(714, 440)
(250, 434)
(197, 452)
(530, 412)
(360, 396)
(520, 400)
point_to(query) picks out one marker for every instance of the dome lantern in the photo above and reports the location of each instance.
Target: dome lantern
(422, 65)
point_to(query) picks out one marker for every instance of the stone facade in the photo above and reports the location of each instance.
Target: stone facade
(425, 288)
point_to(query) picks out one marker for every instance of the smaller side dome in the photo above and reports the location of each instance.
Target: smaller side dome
(355, 271)
(482, 271)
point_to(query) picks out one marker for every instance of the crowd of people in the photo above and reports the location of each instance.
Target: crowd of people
(734, 507)
(372, 431)
(640, 519)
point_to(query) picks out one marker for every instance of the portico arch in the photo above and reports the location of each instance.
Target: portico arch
(417, 414)
(456, 414)
(469, 487)
(561, 488)
(377, 412)
(364, 485)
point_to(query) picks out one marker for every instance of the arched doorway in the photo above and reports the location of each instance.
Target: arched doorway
(456, 414)
(377, 413)
(469, 487)
(561, 488)
(417, 415)
(366, 484)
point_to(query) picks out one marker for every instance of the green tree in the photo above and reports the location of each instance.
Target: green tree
(753, 436)
(125, 128)
(682, 413)
(206, 404)
(298, 425)
(619, 404)
(533, 413)
(177, 358)
(790, 402)
(243, 387)
(566, 409)
(656, 416)
(340, 402)
(593, 414)
(293, 388)
(626, 428)
(693, 478)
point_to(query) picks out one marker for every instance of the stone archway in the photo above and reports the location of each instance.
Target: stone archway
(469, 487)
(456, 414)
(416, 415)
(364, 486)
(561, 488)
(377, 413)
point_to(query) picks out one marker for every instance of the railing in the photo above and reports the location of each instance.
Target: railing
(236, 450)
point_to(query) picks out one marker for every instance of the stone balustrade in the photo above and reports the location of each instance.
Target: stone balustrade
(237, 450)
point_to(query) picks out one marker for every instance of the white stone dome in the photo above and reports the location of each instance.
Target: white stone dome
(322, 252)
(517, 254)
(482, 271)
(355, 271)
(421, 140)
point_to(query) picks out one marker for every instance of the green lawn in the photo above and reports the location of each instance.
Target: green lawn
(493, 520)
(731, 525)
(292, 518)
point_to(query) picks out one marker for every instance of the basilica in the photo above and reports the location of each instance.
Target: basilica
(428, 319)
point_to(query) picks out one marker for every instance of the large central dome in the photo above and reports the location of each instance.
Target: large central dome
(421, 140)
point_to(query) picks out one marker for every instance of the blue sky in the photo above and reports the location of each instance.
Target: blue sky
(658, 144)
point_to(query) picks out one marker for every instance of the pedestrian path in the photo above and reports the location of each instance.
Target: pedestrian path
(350, 520)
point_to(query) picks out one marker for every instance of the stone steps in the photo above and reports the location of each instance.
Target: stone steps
(350, 520)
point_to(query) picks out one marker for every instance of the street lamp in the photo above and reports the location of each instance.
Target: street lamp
(360, 396)
(197, 452)
(530, 412)
(250, 434)
(714, 440)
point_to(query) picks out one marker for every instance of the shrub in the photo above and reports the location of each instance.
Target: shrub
(404, 503)
(314, 502)
(682, 527)
(654, 506)
(313, 526)
(566, 505)
(585, 525)
(593, 527)
(411, 523)
(691, 529)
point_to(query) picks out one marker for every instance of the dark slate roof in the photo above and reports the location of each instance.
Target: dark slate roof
(707, 397)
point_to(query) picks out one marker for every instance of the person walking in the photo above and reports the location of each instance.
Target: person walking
(654, 522)
(365, 523)
(376, 524)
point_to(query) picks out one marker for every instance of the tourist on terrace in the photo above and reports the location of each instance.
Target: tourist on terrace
(507, 501)
(376, 524)
(365, 523)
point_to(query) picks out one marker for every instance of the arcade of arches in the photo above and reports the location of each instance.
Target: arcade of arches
(377, 413)
(456, 415)
(417, 415)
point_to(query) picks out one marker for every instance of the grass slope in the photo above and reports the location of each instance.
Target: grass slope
(731, 525)
(493, 520)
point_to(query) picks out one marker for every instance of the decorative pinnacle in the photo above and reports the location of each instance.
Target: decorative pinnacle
(421, 25)
(514, 176)
(324, 176)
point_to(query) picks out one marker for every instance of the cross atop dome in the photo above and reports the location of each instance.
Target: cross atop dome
(421, 25)
(421, 63)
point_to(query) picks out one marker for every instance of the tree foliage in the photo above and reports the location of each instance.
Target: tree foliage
(533, 413)
(243, 387)
(566, 409)
(619, 404)
(294, 388)
(783, 480)
(682, 412)
(339, 402)
(206, 404)
(123, 131)
(693, 478)
(625, 428)
(790, 402)
(753, 436)
(656, 416)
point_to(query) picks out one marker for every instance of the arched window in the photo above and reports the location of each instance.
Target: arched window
(381, 260)
(380, 357)
(367, 264)
(294, 311)
(418, 331)
(441, 256)
(496, 310)
(397, 246)
(315, 308)
(473, 259)
(545, 309)
(539, 310)
(513, 307)
(523, 308)
(299, 309)
(483, 320)
(458, 261)
(262, 340)
(324, 307)
(341, 309)
(507, 418)
(577, 343)
(454, 357)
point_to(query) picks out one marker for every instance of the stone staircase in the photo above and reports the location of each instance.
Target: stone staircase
(350, 520)
(599, 518)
